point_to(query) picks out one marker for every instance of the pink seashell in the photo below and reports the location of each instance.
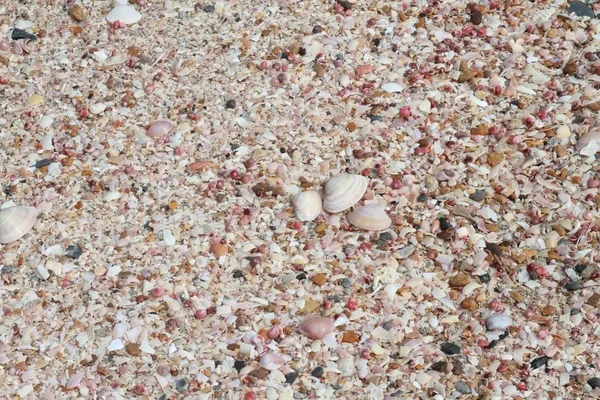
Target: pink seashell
(271, 361)
(316, 327)
(159, 128)
(4, 45)
(364, 69)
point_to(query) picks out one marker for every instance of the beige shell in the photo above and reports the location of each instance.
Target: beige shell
(370, 217)
(586, 138)
(15, 222)
(316, 327)
(307, 205)
(343, 191)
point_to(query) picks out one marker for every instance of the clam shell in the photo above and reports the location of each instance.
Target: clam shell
(370, 217)
(307, 205)
(316, 327)
(343, 191)
(15, 222)
(159, 128)
(123, 13)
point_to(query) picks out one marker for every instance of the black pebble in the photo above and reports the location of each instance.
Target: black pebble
(301, 276)
(572, 286)
(43, 163)
(450, 348)
(485, 278)
(444, 224)
(238, 273)
(345, 5)
(302, 51)
(439, 366)
(422, 198)
(478, 195)
(539, 362)
(317, 372)
(387, 325)
(291, 377)
(317, 29)
(579, 268)
(209, 9)
(580, 9)
(238, 365)
(21, 34)
(230, 105)
(181, 385)
(594, 382)
(74, 251)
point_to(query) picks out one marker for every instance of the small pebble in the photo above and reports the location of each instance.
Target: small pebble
(478, 195)
(450, 348)
(539, 362)
(462, 387)
(439, 366)
(74, 252)
(238, 365)
(208, 8)
(291, 377)
(230, 104)
(573, 286)
(594, 382)
(317, 372)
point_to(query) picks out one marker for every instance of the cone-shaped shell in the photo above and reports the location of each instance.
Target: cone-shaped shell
(307, 205)
(343, 191)
(370, 217)
(316, 327)
(159, 128)
(15, 222)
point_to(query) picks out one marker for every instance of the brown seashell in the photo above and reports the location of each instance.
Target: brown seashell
(77, 13)
(219, 249)
(15, 222)
(316, 327)
(370, 217)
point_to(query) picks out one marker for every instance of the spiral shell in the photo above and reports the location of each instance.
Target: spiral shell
(307, 205)
(370, 217)
(15, 222)
(343, 191)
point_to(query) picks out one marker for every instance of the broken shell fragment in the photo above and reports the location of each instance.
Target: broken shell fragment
(15, 222)
(159, 128)
(124, 14)
(307, 205)
(271, 361)
(591, 139)
(343, 191)
(316, 327)
(370, 217)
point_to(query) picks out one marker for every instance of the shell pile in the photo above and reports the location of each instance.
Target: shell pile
(341, 193)
(16, 222)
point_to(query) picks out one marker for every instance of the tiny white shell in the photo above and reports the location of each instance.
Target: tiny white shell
(392, 87)
(316, 327)
(498, 322)
(370, 217)
(343, 191)
(125, 14)
(307, 205)
(15, 222)
(159, 128)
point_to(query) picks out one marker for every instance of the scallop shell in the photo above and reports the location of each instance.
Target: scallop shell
(307, 205)
(15, 222)
(123, 13)
(159, 128)
(370, 217)
(343, 191)
(316, 327)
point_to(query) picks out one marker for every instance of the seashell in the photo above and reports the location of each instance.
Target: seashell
(585, 139)
(370, 217)
(498, 322)
(15, 222)
(307, 205)
(316, 327)
(392, 87)
(343, 191)
(124, 14)
(159, 128)
(271, 361)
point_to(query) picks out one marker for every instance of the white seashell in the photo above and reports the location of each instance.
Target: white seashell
(159, 128)
(370, 217)
(271, 361)
(316, 327)
(307, 205)
(15, 222)
(124, 14)
(343, 191)
(97, 108)
(392, 87)
(498, 322)
(586, 138)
